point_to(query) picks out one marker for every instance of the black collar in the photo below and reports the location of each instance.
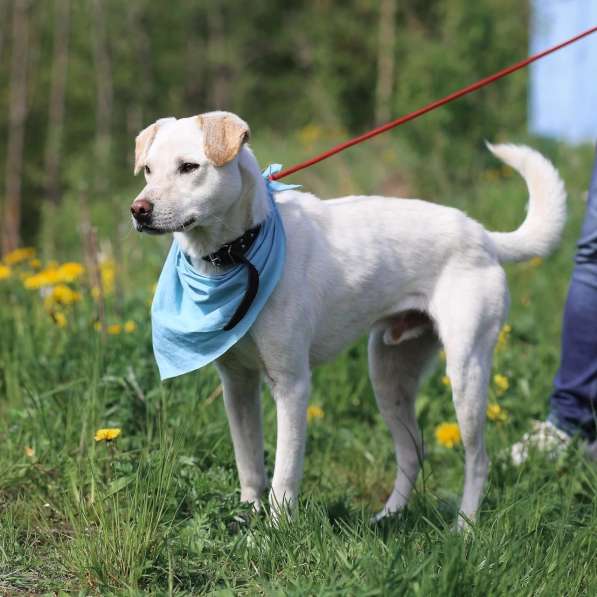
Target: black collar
(233, 253)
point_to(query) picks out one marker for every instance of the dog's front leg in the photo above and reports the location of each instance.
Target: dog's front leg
(291, 394)
(242, 389)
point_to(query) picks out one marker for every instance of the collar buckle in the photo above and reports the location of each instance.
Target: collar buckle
(233, 253)
(214, 259)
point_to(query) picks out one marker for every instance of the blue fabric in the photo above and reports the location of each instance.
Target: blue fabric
(562, 90)
(574, 400)
(190, 309)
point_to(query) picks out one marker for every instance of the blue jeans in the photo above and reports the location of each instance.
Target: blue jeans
(574, 399)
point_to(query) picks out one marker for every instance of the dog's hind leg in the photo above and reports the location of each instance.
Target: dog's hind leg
(468, 317)
(469, 377)
(395, 373)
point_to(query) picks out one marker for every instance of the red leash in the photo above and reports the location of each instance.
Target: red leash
(432, 106)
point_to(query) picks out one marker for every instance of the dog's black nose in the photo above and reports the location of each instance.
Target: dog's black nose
(141, 210)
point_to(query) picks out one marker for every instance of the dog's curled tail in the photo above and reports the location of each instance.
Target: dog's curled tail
(542, 228)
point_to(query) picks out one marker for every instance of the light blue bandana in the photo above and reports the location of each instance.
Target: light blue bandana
(190, 310)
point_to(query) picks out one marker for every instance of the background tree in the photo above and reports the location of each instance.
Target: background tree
(104, 96)
(57, 99)
(3, 26)
(16, 126)
(385, 60)
(324, 67)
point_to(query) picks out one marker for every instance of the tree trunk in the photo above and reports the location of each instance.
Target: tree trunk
(385, 61)
(141, 62)
(17, 114)
(57, 99)
(218, 59)
(196, 66)
(3, 23)
(104, 97)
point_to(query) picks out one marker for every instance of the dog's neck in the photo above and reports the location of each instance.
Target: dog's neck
(250, 209)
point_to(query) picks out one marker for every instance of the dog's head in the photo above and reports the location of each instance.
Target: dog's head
(191, 171)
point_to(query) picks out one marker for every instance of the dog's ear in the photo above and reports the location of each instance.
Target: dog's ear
(144, 140)
(223, 135)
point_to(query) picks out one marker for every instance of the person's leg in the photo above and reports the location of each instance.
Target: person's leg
(573, 404)
(574, 400)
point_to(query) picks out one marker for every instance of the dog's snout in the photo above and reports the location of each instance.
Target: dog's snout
(141, 210)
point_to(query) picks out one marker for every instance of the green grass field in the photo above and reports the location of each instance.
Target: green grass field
(157, 510)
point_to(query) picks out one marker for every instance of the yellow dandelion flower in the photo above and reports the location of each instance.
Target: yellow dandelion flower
(108, 274)
(503, 337)
(107, 435)
(389, 156)
(536, 262)
(501, 383)
(19, 255)
(506, 170)
(496, 413)
(129, 326)
(61, 295)
(54, 274)
(309, 134)
(47, 277)
(33, 282)
(446, 380)
(314, 412)
(114, 329)
(5, 272)
(70, 271)
(491, 174)
(59, 319)
(29, 452)
(448, 434)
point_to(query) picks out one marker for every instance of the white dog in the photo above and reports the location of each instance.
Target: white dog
(412, 274)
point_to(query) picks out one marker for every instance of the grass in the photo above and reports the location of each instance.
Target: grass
(158, 510)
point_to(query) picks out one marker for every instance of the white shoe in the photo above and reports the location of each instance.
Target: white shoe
(545, 437)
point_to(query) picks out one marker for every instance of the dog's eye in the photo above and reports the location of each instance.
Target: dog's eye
(187, 167)
(147, 170)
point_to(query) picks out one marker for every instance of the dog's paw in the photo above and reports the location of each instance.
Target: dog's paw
(282, 504)
(254, 504)
(384, 514)
(463, 526)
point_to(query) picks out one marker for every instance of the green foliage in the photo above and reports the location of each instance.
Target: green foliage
(456, 44)
(158, 510)
(120, 530)
(282, 67)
